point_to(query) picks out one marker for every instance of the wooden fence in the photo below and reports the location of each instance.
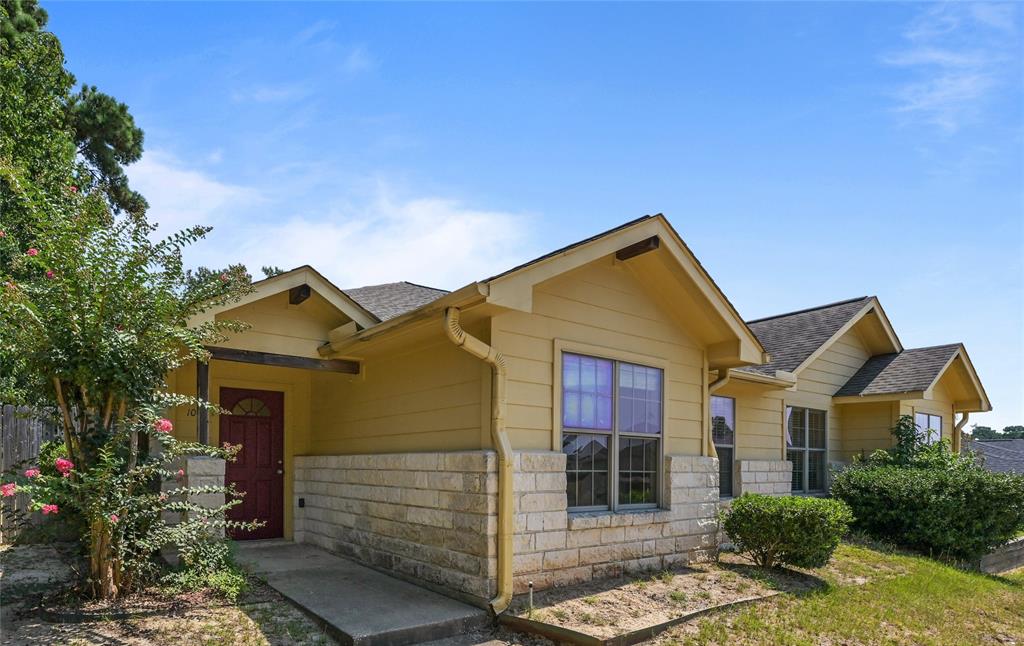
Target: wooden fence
(22, 433)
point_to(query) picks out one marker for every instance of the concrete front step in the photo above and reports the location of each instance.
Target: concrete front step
(356, 604)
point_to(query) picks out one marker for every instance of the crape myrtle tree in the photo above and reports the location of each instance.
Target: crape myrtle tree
(97, 314)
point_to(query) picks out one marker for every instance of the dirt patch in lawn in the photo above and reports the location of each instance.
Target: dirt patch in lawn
(38, 609)
(609, 607)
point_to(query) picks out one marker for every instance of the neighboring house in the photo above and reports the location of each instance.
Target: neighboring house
(554, 423)
(1003, 456)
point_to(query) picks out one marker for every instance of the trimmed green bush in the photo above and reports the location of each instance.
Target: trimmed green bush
(786, 530)
(955, 510)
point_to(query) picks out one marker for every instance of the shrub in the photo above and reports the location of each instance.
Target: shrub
(958, 511)
(773, 530)
(207, 564)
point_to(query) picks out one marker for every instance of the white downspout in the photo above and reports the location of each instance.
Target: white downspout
(712, 388)
(483, 351)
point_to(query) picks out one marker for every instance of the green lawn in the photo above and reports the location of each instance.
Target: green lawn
(876, 597)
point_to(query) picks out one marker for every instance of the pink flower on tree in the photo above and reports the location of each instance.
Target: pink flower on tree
(7, 490)
(50, 509)
(114, 518)
(32, 251)
(163, 496)
(73, 189)
(223, 278)
(2, 234)
(64, 466)
(180, 474)
(50, 274)
(31, 473)
(163, 425)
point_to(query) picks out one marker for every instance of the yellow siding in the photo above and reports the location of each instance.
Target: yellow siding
(759, 427)
(824, 376)
(282, 328)
(759, 417)
(866, 428)
(605, 307)
(941, 404)
(425, 398)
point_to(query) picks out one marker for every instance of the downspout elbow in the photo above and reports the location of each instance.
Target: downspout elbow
(958, 432)
(462, 339)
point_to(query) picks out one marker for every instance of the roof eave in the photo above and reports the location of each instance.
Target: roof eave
(471, 294)
(871, 304)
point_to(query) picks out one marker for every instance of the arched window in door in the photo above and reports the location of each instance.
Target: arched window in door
(252, 407)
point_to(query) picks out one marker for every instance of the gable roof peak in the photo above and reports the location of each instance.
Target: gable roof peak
(806, 310)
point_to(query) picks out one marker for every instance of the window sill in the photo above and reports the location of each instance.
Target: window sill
(622, 518)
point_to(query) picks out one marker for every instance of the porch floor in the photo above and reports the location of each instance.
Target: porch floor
(356, 604)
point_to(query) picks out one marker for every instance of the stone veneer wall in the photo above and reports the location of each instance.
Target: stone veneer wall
(554, 547)
(431, 517)
(773, 477)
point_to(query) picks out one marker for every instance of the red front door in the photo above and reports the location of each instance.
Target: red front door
(257, 423)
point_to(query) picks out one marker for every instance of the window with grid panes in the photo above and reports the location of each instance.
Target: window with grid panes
(806, 437)
(723, 432)
(611, 432)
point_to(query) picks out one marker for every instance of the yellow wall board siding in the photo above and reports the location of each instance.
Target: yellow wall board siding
(824, 376)
(427, 397)
(281, 328)
(603, 307)
(941, 403)
(866, 428)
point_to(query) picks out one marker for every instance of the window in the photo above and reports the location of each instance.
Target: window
(611, 432)
(805, 447)
(929, 427)
(723, 432)
(251, 406)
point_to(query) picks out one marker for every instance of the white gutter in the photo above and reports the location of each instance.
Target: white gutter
(481, 350)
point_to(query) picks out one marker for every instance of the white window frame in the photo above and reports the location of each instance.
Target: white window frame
(731, 447)
(614, 434)
(806, 450)
(925, 432)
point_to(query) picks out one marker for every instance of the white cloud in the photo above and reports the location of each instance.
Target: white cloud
(359, 60)
(179, 197)
(958, 57)
(270, 93)
(318, 28)
(430, 240)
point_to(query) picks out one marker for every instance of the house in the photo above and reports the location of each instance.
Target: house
(576, 416)
(1001, 456)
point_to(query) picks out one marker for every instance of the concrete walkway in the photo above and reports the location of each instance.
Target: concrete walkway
(356, 604)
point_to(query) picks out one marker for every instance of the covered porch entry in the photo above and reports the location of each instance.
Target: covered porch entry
(262, 377)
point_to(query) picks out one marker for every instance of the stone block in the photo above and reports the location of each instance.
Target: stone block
(560, 559)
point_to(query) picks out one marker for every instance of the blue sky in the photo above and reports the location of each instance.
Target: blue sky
(806, 152)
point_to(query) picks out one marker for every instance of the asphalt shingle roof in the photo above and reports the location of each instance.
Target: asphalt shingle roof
(899, 372)
(791, 338)
(1004, 456)
(391, 300)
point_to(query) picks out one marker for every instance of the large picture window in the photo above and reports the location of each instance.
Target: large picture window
(806, 437)
(929, 427)
(611, 432)
(723, 432)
